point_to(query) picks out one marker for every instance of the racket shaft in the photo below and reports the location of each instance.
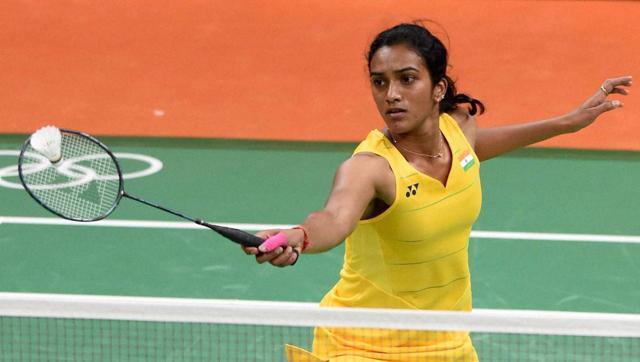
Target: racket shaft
(235, 235)
(159, 207)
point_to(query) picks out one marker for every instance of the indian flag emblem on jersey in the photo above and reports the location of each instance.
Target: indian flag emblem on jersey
(466, 160)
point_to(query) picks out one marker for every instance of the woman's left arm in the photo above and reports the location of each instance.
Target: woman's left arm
(492, 142)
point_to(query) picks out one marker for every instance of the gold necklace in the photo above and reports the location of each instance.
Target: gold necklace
(437, 155)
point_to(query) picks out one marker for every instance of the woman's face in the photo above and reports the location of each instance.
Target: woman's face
(402, 88)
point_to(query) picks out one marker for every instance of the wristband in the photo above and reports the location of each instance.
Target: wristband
(305, 242)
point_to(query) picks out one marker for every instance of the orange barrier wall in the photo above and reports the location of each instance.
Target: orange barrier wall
(282, 69)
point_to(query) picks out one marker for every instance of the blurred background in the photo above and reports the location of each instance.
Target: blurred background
(279, 70)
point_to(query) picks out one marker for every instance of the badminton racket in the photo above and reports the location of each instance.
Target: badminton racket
(84, 182)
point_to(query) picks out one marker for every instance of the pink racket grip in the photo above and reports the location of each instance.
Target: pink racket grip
(279, 239)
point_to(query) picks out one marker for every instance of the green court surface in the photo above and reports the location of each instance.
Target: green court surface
(258, 182)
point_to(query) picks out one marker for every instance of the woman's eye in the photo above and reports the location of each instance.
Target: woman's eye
(377, 82)
(408, 79)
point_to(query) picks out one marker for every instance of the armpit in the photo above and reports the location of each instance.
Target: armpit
(467, 123)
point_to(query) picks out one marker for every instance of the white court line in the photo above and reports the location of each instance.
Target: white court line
(476, 234)
(133, 223)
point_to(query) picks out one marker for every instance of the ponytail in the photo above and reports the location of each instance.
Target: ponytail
(452, 98)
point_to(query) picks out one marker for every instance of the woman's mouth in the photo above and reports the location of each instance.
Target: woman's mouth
(396, 112)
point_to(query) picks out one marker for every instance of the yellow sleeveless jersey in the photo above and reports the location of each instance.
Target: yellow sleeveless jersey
(413, 256)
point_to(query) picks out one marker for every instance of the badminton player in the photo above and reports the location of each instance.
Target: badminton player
(406, 200)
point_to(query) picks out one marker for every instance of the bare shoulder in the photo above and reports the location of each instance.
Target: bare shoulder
(466, 122)
(366, 163)
(369, 169)
(368, 157)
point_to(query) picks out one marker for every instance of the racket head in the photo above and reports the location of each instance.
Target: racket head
(86, 185)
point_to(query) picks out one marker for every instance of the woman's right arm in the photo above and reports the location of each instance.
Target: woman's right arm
(357, 182)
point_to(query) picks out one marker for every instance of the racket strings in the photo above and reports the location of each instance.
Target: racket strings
(84, 186)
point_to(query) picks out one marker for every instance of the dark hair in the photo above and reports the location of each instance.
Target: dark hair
(434, 54)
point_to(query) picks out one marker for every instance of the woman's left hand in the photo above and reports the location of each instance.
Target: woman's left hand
(600, 103)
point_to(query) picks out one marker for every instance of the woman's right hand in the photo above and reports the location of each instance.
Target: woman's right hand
(279, 256)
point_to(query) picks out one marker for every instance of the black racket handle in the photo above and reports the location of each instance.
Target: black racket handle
(235, 235)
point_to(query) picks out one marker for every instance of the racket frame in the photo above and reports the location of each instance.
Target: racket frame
(101, 145)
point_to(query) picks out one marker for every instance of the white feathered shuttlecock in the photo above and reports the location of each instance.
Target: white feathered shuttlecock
(47, 141)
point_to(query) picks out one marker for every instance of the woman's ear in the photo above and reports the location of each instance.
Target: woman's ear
(440, 90)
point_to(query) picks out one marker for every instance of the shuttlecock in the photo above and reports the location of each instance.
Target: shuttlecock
(47, 141)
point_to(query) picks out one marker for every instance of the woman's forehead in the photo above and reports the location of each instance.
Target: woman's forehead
(394, 58)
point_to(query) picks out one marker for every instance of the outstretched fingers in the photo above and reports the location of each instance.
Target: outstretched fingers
(608, 106)
(618, 90)
(600, 101)
(616, 85)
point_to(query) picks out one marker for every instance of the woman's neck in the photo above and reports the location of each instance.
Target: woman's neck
(428, 141)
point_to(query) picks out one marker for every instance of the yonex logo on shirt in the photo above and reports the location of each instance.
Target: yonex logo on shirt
(413, 190)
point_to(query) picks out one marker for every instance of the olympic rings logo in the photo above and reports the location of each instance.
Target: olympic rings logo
(78, 175)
